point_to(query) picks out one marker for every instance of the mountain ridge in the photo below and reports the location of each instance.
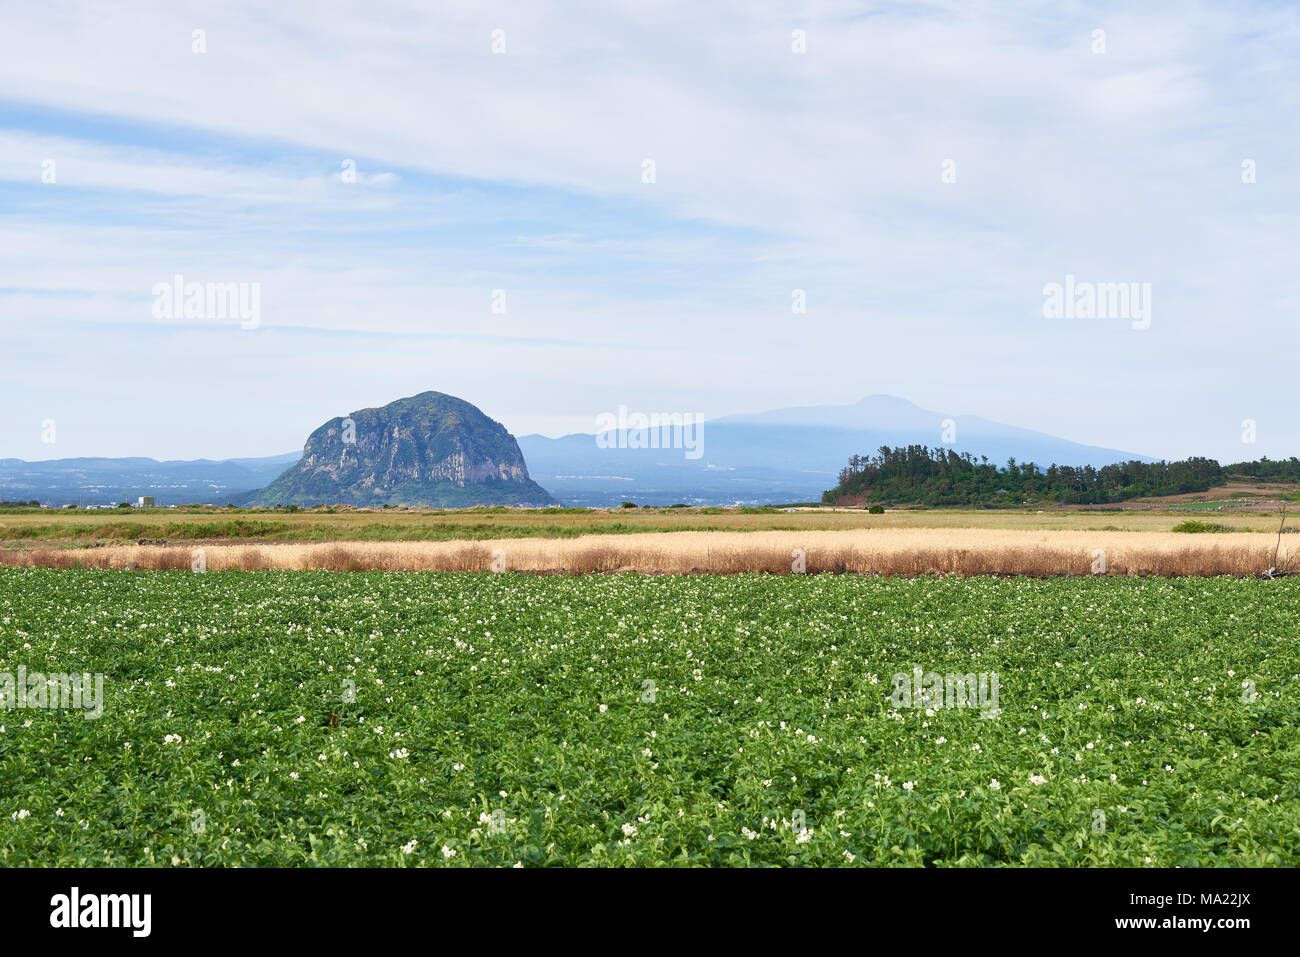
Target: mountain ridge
(788, 454)
(782, 455)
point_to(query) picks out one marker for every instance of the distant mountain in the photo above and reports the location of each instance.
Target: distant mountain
(785, 455)
(104, 481)
(430, 449)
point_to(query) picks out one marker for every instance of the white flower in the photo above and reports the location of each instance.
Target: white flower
(448, 852)
(994, 784)
(294, 775)
(604, 708)
(172, 739)
(458, 767)
(399, 754)
(19, 814)
(410, 846)
(748, 833)
(1037, 779)
(629, 830)
(908, 785)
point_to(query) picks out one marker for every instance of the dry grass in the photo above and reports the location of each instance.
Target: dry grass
(914, 551)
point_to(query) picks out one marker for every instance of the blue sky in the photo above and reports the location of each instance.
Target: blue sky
(522, 171)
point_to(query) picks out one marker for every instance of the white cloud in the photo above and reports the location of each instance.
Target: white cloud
(775, 171)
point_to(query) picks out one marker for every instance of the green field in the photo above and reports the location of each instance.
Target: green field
(611, 720)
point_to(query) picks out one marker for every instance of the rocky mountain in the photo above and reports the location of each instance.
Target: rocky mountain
(430, 449)
(783, 455)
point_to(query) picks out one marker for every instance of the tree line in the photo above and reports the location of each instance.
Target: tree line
(939, 476)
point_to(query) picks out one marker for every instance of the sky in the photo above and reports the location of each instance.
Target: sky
(555, 210)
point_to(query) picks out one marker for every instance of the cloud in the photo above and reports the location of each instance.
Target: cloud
(775, 171)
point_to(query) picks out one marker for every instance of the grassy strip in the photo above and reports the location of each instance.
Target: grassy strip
(245, 530)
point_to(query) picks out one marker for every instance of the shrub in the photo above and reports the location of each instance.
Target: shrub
(876, 510)
(1196, 528)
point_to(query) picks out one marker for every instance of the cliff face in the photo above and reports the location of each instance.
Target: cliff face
(430, 449)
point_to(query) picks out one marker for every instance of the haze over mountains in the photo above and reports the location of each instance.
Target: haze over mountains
(106, 481)
(783, 455)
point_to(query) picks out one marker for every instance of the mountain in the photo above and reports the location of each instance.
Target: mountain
(784, 455)
(104, 481)
(430, 449)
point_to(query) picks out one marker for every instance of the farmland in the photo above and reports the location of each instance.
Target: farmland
(1140, 540)
(74, 528)
(315, 718)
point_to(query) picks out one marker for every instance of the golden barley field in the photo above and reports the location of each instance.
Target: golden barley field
(911, 541)
(890, 551)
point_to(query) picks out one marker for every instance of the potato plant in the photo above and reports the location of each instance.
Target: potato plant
(413, 719)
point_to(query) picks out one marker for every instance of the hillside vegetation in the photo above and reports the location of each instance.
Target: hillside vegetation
(940, 476)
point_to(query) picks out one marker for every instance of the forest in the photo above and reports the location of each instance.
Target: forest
(918, 475)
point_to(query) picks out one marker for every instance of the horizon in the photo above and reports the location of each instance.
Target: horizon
(593, 433)
(961, 446)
